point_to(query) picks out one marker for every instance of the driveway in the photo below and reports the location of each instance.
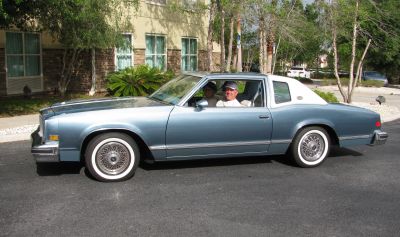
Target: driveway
(356, 192)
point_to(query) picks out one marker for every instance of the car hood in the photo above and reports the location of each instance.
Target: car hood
(75, 106)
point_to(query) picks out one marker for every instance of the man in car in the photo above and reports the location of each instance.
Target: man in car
(231, 91)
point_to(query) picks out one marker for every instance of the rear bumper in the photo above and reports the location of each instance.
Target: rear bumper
(44, 152)
(379, 138)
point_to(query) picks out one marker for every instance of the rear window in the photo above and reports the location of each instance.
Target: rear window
(282, 92)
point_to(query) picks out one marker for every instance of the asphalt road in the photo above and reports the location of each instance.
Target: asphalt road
(356, 192)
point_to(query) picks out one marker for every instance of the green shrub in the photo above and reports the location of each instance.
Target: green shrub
(136, 81)
(327, 96)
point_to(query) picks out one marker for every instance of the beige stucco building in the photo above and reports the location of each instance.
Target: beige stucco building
(160, 37)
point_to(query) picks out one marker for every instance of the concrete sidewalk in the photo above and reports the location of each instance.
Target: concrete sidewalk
(18, 128)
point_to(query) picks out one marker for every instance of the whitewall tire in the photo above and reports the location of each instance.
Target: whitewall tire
(310, 147)
(112, 157)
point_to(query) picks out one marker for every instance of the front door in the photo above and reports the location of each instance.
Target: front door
(215, 132)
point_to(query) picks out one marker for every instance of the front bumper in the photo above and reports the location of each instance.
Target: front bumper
(44, 152)
(379, 138)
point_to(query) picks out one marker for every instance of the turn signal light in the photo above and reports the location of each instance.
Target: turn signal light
(53, 137)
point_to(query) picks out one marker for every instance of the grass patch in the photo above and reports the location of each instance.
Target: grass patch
(14, 106)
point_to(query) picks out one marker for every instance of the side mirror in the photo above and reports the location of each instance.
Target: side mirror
(201, 104)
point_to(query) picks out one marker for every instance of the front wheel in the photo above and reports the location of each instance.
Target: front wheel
(112, 157)
(310, 147)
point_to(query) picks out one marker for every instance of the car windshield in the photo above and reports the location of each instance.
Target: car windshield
(174, 90)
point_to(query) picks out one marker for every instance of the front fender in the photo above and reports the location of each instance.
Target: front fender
(96, 128)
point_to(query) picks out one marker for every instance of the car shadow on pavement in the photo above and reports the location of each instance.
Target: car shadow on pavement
(53, 169)
(184, 164)
(342, 151)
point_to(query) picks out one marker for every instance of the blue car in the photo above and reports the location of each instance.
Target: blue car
(373, 75)
(273, 115)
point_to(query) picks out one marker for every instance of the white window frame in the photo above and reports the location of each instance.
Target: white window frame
(189, 54)
(155, 48)
(130, 54)
(24, 55)
(156, 2)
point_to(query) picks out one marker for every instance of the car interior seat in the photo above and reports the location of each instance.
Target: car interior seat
(252, 93)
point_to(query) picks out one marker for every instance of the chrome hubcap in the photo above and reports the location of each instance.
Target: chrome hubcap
(113, 158)
(312, 147)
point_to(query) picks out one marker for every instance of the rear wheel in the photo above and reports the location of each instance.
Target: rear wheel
(112, 157)
(310, 147)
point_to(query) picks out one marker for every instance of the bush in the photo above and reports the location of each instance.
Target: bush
(327, 96)
(137, 81)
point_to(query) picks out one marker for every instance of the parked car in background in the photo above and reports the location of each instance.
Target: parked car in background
(373, 75)
(299, 71)
(279, 115)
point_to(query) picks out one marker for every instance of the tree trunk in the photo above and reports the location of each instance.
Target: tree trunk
(271, 38)
(210, 36)
(229, 59)
(353, 55)
(359, 67)
(93, 88)
(69, 60)
(261, 38)
(222, 67)
(239, 44)
(335, 65)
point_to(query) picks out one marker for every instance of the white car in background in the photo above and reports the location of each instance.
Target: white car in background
(298, 71)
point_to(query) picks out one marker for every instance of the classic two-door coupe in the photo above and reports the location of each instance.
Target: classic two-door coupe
(279, 115)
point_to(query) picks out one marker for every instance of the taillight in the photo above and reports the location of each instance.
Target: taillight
(378, 124)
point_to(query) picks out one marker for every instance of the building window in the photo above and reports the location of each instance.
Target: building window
(156, 51)
(23, 54)
(189, 54)
(123, 57)
(189, 4)
(160, 2)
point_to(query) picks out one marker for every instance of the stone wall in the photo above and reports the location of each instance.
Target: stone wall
(139, 56)
(81, 82)
(203, 61)
(174, 60)
(3, 83)
(52, 67)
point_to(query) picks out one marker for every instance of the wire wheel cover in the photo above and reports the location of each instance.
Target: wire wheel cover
(312, 146)
(113, 158)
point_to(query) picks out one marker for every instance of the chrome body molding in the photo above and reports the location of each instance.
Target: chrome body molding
(209, 145)
(282, 141)
(354, 137)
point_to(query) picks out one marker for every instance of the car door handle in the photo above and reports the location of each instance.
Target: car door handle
(263, 116)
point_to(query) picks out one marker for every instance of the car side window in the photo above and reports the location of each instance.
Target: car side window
(282, 92)
(248, 93)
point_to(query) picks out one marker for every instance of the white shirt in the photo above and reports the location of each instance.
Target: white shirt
(229, 103)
